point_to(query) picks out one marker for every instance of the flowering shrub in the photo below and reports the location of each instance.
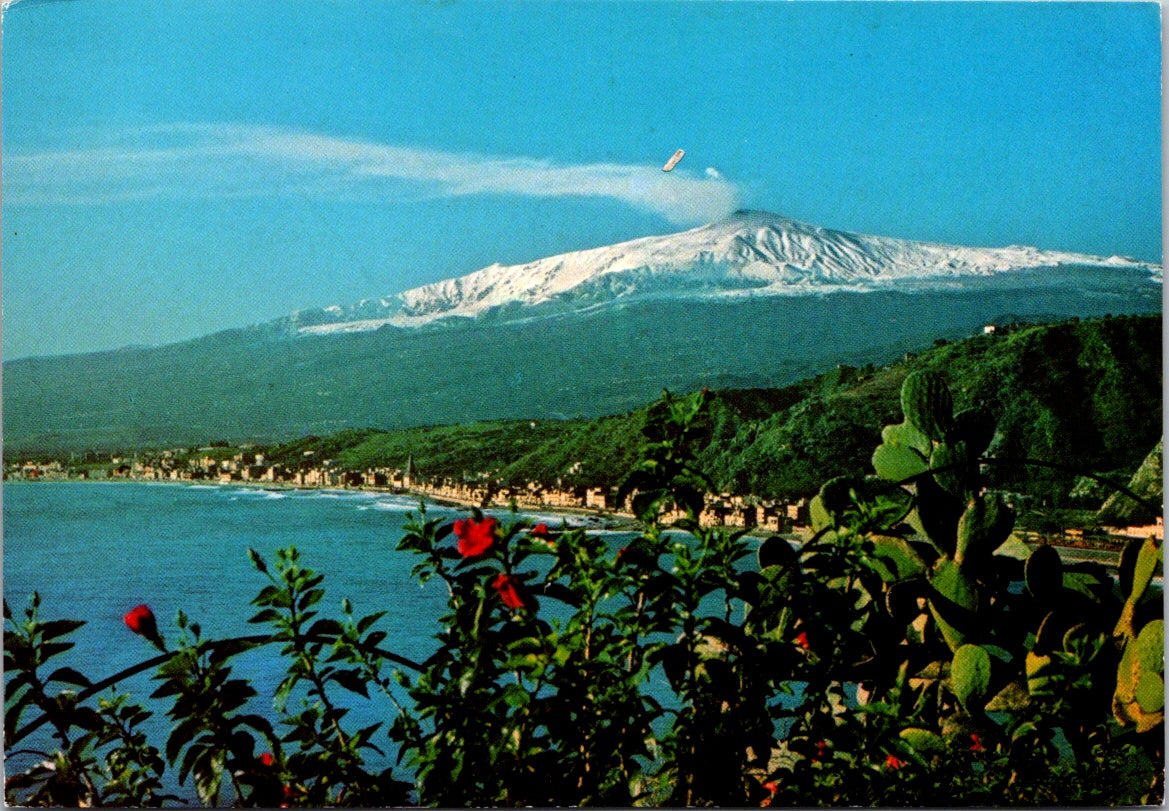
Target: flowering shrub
(911, 651)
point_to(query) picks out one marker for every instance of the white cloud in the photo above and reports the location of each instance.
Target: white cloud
(201, 161)
(713, 173)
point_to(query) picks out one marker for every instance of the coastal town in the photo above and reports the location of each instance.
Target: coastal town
(251, 468)
(247, 467)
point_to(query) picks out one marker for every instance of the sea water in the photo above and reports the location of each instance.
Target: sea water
(95, 550)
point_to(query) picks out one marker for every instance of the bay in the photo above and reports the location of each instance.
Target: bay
(95, 550)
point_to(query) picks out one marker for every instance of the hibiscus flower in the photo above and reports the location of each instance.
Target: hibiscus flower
(475, 537)
(509, 590)
(140, 620)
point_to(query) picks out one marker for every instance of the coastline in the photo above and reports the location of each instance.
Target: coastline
(1070, 552)
(594, 519)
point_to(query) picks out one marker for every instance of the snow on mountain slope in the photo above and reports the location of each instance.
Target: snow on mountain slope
(750, 253)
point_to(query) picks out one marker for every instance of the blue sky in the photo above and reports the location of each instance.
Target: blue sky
(171, 168)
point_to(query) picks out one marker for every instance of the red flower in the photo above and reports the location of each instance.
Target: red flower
(893, 762)
(266, 759)
(976, 743)
(540, 531)
(821, 749)
(475, 537)
(802, 640)
(509, 590)
(140, 620)
(772, 787)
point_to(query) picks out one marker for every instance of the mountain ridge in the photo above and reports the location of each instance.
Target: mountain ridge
(610, 345)
(752, 253)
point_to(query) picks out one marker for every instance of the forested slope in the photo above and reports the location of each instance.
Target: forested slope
(1082, 394)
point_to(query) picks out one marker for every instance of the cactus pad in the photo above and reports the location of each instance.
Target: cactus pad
(927, 404)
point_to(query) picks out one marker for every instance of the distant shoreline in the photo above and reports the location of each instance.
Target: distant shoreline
(600, 519)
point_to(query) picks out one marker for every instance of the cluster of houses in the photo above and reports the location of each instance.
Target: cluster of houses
(37, 470)
(720, 509)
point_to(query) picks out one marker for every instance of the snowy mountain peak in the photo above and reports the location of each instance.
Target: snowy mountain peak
(750, 253)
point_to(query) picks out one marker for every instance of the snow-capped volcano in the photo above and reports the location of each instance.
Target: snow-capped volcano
(751, 253)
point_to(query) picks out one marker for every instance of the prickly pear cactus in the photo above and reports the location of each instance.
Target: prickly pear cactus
(964, 526)
(1140, 679)
(927, 404)
(956, 470)
(954, 603)
(983, 528)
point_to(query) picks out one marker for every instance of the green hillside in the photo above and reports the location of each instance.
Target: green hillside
(1082, 394)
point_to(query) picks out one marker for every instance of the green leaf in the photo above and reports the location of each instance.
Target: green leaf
(950, 582)
(325, 627)
(907, 436)
(352, 681)
(179, 737)
(983, 527)
(970, 674)
(1150, 647)
(818, 515)
(836, 495)
(956, 473)
(897, 462)
(516, 696)
(1146, 565)
(1088, 583)
(12, 714)
(927, 404)
(1013, 547)
(266, 615)
(901, 559)
(953, 603)
(257, 561)
(57, 628)
(273, 596)
(51, 649)
(68, 675)
(1036, 666)
(1128, 565)
(923, 741)
(1148, 667)
(1012, 698)
(365, 622)
(1150, 692)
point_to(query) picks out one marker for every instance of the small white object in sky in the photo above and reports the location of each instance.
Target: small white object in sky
(673, 161)
(713, 173)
